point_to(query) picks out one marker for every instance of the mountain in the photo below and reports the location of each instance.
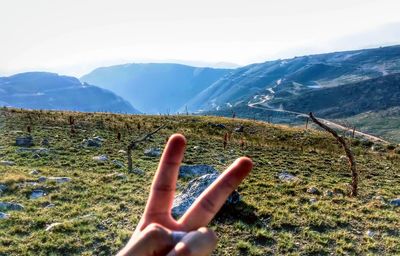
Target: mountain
(42, 90)
(155, 87)
(346, 100)
(285, 78)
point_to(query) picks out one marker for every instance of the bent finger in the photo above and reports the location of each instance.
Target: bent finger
(196, 243)
(204, 208)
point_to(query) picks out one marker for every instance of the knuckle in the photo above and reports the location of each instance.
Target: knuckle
(208, 205)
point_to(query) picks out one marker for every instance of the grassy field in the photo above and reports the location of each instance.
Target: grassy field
(98, 209)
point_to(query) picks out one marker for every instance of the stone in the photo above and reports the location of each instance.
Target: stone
(287, 177)
(50, 206)
(37, 193)
(328, 193)
(370, 233)
(219, 126)
(137, 171)
(7, 163)
(45, 142)
(343, 159)
(186, 171)
(34, 172)
(239, 129)
(312, 200)
(25, 141)
(52, 226)
(194, 188)
(3, 187)
(118, 164)
(6, 206)
(101, 158)
(117, 175)
(4, 216)
(313, 190)
(59, 179)
(152, 152)
(93, 142)
(395, 202)
(42, 179)
(121, 151)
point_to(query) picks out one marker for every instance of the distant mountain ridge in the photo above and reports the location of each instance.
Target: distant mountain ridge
(283, 78)
(43, 90)
(155, 87)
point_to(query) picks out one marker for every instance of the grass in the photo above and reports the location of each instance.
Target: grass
(97, 211)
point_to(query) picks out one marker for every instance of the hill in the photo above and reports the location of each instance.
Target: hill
(42, 90)
(155, 87)
(288, 77)
(95, 208)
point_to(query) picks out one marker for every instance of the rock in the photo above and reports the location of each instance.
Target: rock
(6, 206)
(195, 170)
(284, 176)
(194, 188)
(101, 158)
(313, 190)
(53, 225)
(4, 216)
(219, 126)
(370, 233)
(239, 129)
(152, 152)
(395, 202)
(328, 193)
(42, 179)
(39, 151)
(93, 142)
(34, 172)
(121, 151)
(3, 187)
(137, 171)
(50, 206)
(25, 141)
(118, 164)
(37, 193)
(312, 200)
(6, 163)
(343, 159)
(117, 175)
(45, 142)
(59, 179)
(199, 149)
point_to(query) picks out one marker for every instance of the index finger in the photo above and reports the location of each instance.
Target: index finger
(164, 182)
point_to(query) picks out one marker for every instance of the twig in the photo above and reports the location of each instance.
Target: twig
(349, 153)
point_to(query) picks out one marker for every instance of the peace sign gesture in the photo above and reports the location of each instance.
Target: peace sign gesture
(158, 233)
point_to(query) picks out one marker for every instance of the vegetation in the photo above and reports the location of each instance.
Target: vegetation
(98, 209)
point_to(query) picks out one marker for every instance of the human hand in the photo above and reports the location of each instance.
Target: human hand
(158, 233)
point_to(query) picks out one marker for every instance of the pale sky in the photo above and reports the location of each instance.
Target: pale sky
(74, 36)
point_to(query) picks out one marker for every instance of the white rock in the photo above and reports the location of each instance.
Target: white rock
(59, 179)
(7, 163)
(101, 158)
(53, 225)
(3, 216)
(37, 194)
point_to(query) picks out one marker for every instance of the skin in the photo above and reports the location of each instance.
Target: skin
(158, 233)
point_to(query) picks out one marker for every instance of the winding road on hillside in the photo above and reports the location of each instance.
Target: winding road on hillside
(331, 124)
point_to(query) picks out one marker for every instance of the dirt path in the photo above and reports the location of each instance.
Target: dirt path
(327, 122)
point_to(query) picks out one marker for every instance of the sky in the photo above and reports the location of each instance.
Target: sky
(72, 37)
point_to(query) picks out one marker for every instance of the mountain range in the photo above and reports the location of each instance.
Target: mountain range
(42, 90)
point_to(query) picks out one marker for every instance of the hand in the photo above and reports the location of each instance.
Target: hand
(158, 233)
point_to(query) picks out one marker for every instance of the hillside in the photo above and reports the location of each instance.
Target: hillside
(346, 100)
(155, 87)
(294, 76)
(94, 209)
(41, 90)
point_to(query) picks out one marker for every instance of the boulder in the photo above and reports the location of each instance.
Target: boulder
(287, 177)
(25, 141)
(34, 172)
(37, 193)
(6, 163)
(59, 179)
(239, 129)
(3, 216)
(195, 187)
(101, 158)
(6, 206)
(45, 142)
(42, 179)
(395, 202)
(118, 164)
(313, 190)
(93, 142)
(152, 152)
(186, 171)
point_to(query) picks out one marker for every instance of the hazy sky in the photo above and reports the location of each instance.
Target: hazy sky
(74, 36)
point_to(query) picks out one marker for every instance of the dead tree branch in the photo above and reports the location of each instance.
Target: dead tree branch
(134, 144)
(349, 153)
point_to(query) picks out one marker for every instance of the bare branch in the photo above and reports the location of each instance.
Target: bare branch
(349, 153)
